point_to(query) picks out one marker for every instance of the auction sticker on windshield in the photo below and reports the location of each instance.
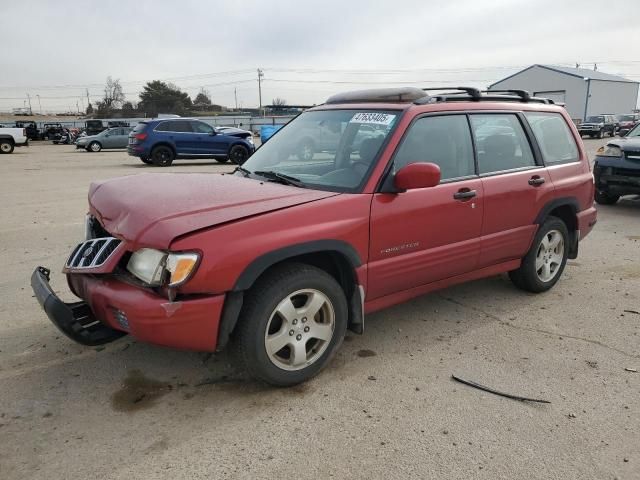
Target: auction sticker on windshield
(375, 118)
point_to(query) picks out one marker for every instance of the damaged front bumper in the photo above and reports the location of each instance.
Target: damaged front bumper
(114, 308)
(75, 320)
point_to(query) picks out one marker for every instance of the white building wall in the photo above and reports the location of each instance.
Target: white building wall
(537, 79)
(612, 97)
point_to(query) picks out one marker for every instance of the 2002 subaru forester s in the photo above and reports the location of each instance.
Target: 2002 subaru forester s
(413, 192)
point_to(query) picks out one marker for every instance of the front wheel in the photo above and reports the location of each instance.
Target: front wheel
(293, 321)
(6, 146)
(601, 134)
(238, 154)
(604, 198)
(95, 147)
(542, 266)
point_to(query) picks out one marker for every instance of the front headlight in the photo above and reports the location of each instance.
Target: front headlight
(609, 151)
(155, 267)
(250, 140)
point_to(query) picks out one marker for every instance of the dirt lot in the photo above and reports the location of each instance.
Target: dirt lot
(385, 408)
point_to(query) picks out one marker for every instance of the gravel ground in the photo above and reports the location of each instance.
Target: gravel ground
(385, 408)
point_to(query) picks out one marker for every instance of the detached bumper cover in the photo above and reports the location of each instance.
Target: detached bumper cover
(75, 320)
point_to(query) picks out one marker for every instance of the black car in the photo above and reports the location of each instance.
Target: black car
(51, 131)
(597, 126)
(617, 168)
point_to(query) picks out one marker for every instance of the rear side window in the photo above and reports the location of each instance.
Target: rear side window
(443, 140)
(501, 143)
(174, 126)
(554, 137)
(140, 127)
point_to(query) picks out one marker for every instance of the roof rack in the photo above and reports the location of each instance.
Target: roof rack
(288, 107)
(462, 94)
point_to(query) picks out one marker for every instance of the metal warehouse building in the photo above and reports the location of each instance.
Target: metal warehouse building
(584, 92)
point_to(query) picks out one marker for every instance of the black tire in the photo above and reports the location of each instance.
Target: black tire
(527, 277)
(221, 160)
(306, 149)
(146, 160)
(238, 154)
(162, 156)
(604, 198)
(601, 134)
(94, 147)
(6, 147)
(260, 303)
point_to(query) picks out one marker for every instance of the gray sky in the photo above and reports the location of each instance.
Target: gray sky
(307, 49)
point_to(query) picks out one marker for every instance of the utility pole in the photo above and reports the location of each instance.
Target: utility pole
(235, 94)
(30, 111)
(39, 104)
(260, 75)
(88, 101)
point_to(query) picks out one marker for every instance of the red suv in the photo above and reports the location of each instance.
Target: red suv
(414, 193)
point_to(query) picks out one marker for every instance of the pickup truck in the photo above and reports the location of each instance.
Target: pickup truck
(12, 137)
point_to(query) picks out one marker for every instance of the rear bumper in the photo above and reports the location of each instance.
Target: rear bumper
(137, 151)
(122, 308)
(586, 220)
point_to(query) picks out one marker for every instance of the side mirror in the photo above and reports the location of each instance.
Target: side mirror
(417, 175)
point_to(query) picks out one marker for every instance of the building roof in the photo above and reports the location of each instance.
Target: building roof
(574, 72)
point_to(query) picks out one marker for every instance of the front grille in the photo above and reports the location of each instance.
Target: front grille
(626, 172)
(92, 253)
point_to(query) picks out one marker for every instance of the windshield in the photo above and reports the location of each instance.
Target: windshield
(634, 132)
(595, 120)
(625, 118)
(326, 149)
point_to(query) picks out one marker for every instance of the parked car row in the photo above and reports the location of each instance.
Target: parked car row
(597, 126)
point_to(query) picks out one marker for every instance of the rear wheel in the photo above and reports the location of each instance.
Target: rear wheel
(6, 146)
(162, 156)
(542, 266)
(292, 323)
(604, 198)
(94, 147)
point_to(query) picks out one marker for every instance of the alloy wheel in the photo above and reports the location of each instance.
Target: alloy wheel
(300, 329)
(550, 255)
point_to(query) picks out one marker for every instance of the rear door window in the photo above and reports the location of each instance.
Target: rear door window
(501, 143)
(554, 137)
(174, 126)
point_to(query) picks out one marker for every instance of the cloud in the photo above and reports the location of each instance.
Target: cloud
(466, 41)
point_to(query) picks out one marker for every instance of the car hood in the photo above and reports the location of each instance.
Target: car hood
(153, 209)
(627, 144)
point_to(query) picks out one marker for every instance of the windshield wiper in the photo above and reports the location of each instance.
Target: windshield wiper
(280, 177)
(243, 170)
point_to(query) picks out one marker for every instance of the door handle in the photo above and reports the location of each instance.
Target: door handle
(464, 194)
(536, 181)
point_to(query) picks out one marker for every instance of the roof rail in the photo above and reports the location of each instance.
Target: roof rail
(473, 92)
(462, 94)
(286, 107)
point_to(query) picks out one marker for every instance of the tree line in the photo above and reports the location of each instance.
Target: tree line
(156, 97)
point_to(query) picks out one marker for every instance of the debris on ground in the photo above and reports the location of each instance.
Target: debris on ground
(630, 369)
(496, 392)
